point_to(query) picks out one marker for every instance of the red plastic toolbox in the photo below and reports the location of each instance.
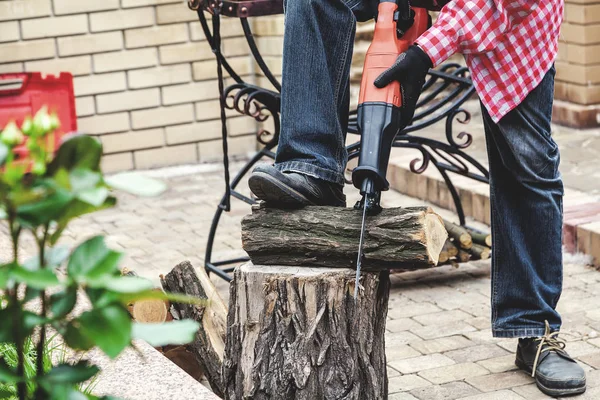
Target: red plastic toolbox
(23, 94)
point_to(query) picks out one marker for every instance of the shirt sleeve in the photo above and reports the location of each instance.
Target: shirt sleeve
(473, 26)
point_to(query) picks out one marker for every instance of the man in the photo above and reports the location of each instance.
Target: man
(510, 47)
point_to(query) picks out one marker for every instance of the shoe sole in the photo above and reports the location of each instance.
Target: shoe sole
(271, 190)
(550, 391)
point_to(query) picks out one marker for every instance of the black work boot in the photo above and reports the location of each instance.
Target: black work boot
(545, 358)
(292, 189)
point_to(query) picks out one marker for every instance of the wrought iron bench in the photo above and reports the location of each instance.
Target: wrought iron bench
(445, 91)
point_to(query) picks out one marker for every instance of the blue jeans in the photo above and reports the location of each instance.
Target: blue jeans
(525, 185)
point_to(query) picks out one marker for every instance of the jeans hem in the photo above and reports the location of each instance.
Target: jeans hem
(311, 170)
(521, 332)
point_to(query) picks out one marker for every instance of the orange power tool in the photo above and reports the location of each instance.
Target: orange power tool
(379, 114)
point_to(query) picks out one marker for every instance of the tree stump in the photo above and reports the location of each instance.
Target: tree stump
(297, 333)
(396, 238)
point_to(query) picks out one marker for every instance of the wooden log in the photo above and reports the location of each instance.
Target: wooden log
(297, 333)
(209, 344)
(482, 238)
(404, 238)
(480, 252)
(450, 248)
(463, 256)
(459, 234)
(444, 256)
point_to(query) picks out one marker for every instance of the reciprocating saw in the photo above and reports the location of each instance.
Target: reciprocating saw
(398, 25)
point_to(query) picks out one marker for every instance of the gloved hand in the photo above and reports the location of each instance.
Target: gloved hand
(410, 69)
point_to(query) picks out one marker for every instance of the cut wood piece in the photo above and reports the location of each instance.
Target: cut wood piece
(297, 333)
(480, 252)
(482, 238)
(209, 344)
(444, 256)
(463, 256)
(459, 234)
(450, 248)
(404, 238)
(151, 311)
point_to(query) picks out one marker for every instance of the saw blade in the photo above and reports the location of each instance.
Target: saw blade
(360, 248)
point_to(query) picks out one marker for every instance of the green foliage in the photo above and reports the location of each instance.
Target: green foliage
(43, 195)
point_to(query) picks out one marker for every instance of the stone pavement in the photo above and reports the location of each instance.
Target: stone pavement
(438, 340)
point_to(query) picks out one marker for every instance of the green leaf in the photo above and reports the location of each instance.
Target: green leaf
(70, 374)
(94, 196)
(48, 208)
(4, 273)
(7, 374)
(75, 339)
(77, 151)
(108, 327)
(136, 184)
(175, 333)
(83, 179)
(76, 209)
(3, 153)
(54, 257)
(40, 279)
(61, 177)
(92, 260)
(31, 293)
(31, 321)
(124, 284)
(62, 303)
(160, 295)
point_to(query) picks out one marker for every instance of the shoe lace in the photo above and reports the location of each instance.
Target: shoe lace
(548, 342)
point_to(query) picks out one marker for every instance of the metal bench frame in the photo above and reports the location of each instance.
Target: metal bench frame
(445, 91)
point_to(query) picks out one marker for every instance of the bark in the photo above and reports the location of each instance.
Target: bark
(209, 343)
(482, 238)
(463, 256)
(404, 238)
(480, 252)
(297, 333)
(459, 234)
(450, 248)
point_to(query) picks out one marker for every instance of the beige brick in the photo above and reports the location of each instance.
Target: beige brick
(16, 10)
(204, 70)
(268, 26)
(82, 6)
(213, 151)
(190, 92)
(162, 116)
(140, 3)
(583, 75)
(89, 44)
(157, 35)
(166, 156)
(581, 34)
(241, 125)
(117, 162)
(181, 53)
(235, 47)
(131, 100)
(442, 344)
(122, 19)
(95, 84)
(206, 110)
(504, 380)
(581, 94)
(10, 68)
(162, 76)
(194, 132)
(451, 373)
(123, 60)
(101, 124)
(172, 13)
(416, 364)
(275, 65)
(54, 26)
(81, 65)
(137, 140)
(580, 54)
(582, 14)
(270, 45)
(230, 27)
(85, 106)
(9, 31)
(406, 382)
(30, 50)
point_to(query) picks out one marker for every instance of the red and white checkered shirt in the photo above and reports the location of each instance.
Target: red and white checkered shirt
(509, 45)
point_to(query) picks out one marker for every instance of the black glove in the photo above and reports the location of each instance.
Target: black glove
(410, 69)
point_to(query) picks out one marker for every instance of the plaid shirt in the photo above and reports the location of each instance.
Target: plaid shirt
(509, 45)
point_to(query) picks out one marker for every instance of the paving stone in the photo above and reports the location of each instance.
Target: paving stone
(416, 364)
(503, 380)
(479, 322)
(592, 378)
(590, 394)
(412, 310)
(476, 353)
(454, 372)
(405, 383)
(441, 345)
(402, 324)
(499, 395)
(591, 359)
(398, 338)
(531, 392)
(442, 330)
(399, 352)
(443, 317)
(447, 391)
(499, 364)
(401, 396)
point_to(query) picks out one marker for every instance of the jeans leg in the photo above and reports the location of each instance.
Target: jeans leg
(317, 53)
(526, 193)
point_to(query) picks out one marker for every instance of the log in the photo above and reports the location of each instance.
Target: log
(450, 248)
(209, 344)
(463, 256)
(459, 234)
(480, 252)
(482, 238)
(297, 333)
(151, 311)
(403, 238)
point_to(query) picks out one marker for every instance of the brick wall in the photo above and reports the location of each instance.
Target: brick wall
(578, 65)
(145, 78)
